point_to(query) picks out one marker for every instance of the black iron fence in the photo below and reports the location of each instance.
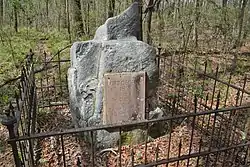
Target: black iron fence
(21, 115)
(207, 143)
(51, 82)
(184, 75)
(206, 120)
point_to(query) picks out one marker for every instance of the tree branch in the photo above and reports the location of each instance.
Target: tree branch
(36, 71)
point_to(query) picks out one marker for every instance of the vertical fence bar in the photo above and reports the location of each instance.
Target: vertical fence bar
(170, 66)
(237, 98)
(120, 147)
(54, 86)
(246, 158)
(9, 123)
(227, 91)
(235, 118)
(220, 130)
(29, 106)
(243, 89)
(213, 128)
(203, 117)
(146, 145)
(92, 149)
(215, 116)
(34, 113)
(198, 158)
(31, 153)
(22, 153)
(227, 138)
(24, 98)
(63, 151)
(32, 106)
(215, 82)
(171, 127)
(46, 70)
(208, 122)
(230, 124)
(67, 90)
(157, 153)
(203, 81)
(180, 85)
(192, 132)
(42, 99)
(78, 163)
(21, 127)
(60, 75)
(179, 153)
(132, 157)
(224, 158)
(170, 136)
(19, 111)
(24, 145)
(164, 66)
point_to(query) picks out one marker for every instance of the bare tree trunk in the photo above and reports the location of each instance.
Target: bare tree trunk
(94, 9)
(149, 19)
(77, 17)
(104, 10)
(111, 8)
(39, 17)
(161, 23)
(58, 6)
(241, 19)
(64, 13)
(85, 15)
(238, 41)
(224, 25)
(97, 16)
(224, 10)
(140, 33)
(1, 13)
(47, 13)
(247, 29)
(176, 10)
(140, 17)
(47, 8)
(68, 20)
(15, 18)
(196, 21)
(87, 18)
(224, 3)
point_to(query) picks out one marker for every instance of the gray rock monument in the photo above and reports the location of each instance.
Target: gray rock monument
(114, 49)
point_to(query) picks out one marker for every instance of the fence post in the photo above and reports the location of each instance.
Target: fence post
(9, 122)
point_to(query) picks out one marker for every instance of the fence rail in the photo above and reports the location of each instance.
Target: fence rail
(129, 126)
(207, 146)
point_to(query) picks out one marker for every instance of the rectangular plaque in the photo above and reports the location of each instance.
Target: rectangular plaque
(124, 97)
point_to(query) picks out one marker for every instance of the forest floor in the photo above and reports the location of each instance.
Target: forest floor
(60, 118)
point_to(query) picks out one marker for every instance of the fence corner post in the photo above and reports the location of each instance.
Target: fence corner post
(9, 122)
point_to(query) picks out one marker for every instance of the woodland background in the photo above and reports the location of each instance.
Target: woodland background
(221, 25)
(214, 26)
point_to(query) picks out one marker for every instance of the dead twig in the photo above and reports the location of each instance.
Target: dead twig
(45, 67)
(36, 71)
(113, 150)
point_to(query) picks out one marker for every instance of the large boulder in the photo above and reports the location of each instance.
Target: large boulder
(123, 26)
(114, 49)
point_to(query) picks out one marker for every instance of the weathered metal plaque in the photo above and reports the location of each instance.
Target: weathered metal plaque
(124, 97)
